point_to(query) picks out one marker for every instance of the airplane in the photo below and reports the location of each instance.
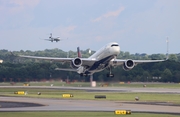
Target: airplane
(52, 38)
(105, 58)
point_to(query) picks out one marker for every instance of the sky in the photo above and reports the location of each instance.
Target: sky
(138, 26)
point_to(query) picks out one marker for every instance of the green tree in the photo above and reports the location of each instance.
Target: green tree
(173, 57)
(167, 75)
(145, 76)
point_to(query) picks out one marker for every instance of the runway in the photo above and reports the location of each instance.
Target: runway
(93, 105)
(86, 105)
(105, 89)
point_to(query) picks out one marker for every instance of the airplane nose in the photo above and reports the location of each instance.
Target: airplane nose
(115, 50)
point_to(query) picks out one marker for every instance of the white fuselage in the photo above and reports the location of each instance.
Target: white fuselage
(111, 49)
(104, 56)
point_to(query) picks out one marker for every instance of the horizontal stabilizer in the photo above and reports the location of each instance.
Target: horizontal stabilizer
(65, 69)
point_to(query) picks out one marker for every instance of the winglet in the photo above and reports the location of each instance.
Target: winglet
(167, 54)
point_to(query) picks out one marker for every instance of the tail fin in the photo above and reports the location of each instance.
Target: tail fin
(50, 35)
(78, 52)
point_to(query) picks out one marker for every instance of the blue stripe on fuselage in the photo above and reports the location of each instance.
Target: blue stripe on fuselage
(98, 65)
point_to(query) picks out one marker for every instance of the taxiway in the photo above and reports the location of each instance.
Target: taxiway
(85, 105)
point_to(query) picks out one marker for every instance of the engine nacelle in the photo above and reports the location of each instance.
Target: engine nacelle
(76, 63)
(128, 65)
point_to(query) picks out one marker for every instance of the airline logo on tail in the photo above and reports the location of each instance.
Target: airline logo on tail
(79, 52)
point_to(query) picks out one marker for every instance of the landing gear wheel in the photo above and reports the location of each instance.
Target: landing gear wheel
(110, 75)
(81, 74)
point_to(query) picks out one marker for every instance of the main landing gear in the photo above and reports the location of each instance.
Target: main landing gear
(110, 72)
(83, 75)
(110, 75)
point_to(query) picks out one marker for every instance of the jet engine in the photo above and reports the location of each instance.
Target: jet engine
(128, 65)
(76, 63)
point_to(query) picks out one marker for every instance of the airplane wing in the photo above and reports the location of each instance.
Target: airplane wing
(85, 61)
(119, 62)
(48, 58)
(89, 62)
(49, 40)
(64, 69)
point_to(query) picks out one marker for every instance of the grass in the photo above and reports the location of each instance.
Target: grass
(83, 95)
(78, 114)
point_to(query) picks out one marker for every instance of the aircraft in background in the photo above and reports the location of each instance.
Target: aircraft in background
(53, 38)
(105, 58)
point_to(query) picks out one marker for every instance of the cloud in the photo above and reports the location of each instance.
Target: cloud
(17, 13)
(70, 28)
(64, 31)
(16, 6)
(31, 3)
(109, 14)
(99, 38)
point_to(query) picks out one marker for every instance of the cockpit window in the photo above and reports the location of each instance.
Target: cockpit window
(114, 45)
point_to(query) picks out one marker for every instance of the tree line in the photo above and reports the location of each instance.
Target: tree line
(15, 69)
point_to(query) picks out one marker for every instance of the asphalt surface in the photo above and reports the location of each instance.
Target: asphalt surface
(86, 105)
(10, 104)
(105, 89)
(39, 104)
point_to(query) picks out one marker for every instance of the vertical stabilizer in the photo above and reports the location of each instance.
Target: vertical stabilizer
(50, 35)
(79, 52)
